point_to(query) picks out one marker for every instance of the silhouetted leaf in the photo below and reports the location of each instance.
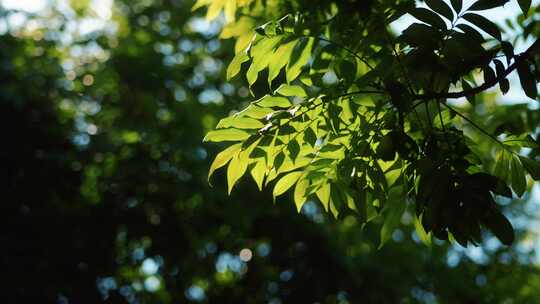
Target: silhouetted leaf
(484, 24)
(457, 5)
(497, 223)
(441, 7)
(428, 17)
(481, 5)
(527, 79)
(525, 5)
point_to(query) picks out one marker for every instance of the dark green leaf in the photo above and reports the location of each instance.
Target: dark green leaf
(497, 223)
(508, 51)
(471, 32)
(489, 74)
(532, 166)
(457, 5)
(504, 85)
(499, 67)
(519, 181)
(294, 149)
(484, 24)
(428, 17)
(466, 87)
(525, 5)
(527, 79)
(441, 7)
(386, 149)
(419, 34)
(486, 4)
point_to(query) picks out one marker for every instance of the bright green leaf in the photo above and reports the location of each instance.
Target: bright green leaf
(300, 193)
(236, 64)
(299, 57)
(291, 90)
(223, 158)
(286, 182)
(226, 135)
(236, 169)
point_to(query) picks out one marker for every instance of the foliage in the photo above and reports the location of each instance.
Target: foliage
(105, 197)
(365, 121)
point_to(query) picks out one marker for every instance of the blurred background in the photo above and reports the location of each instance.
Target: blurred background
(104, 196)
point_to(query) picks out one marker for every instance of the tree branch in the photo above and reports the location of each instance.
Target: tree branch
(534, 48)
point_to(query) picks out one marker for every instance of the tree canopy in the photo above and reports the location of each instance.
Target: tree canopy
(105, 197)
(374, 122)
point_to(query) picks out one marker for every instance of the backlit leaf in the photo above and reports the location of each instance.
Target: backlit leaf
(236, 169)
(226, 135)
(285, 183)
(223, 158)
(519, 181)
(300, 57)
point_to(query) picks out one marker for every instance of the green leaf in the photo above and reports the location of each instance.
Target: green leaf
(441, 7)
(226, 135)
(502, 165)
(237, 168)
(489, 74)
(294, 149)
(457, 5)
(527, 79)
(269, 101)
(497, 223)
(223, 158)
(395, 207)
(428, 17)
(291, 90)
(254, 111)
(504, 85)
(420, 34)
(214, 9)
(300, 193)
(324, 195)
(487, 4)
(260, 54)
(519, 181)
(258, 172)
(239, 123)
(532, 166)
(236, 64)
(285, 183)
(471, 32)
(279, 59)
(525, 5)
(299, 58)
(484, 24)
(421, 232)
